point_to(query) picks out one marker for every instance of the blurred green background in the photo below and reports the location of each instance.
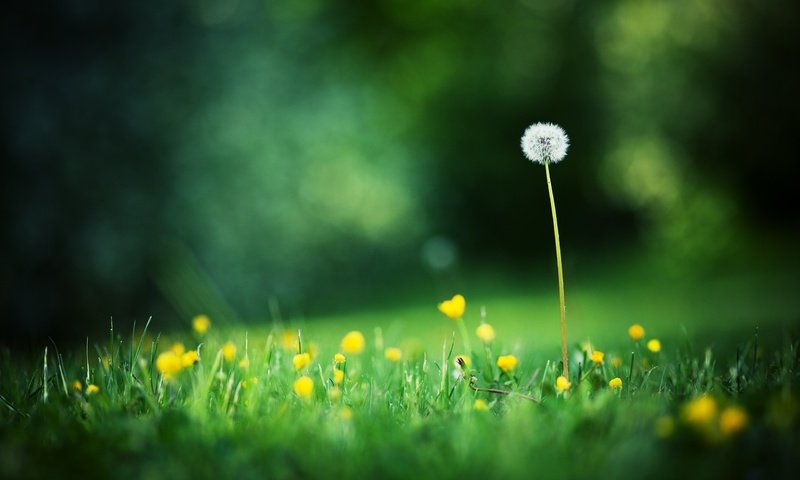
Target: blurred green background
(308, 157)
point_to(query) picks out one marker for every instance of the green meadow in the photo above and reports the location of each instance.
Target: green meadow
(718, 399)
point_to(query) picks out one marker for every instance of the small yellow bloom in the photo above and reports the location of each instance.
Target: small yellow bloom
(353, 342)
(345, 413)
(77, 386)
(301, 361)
(189, 358)
(338, 377)
(485, 332)
(178, 348)
(244, 363)
(334, 393)
(169, 363)
(454, 308)
(507, 363)
(616, 361)
(562, 384)
(597, 357)
(304, 387)
(92, 389)
(463, 361)
(229, 351)
(393, 354)
(615, 383)
(313, 349)
(654, 346)
(664, 426)
(249, 383)
(480, 405)
(700, 411)
(289, 340)
(201, 324)
(636, 332)
(732, 421)
(339, 358)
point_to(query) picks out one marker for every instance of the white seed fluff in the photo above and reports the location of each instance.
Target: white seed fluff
(545, 142)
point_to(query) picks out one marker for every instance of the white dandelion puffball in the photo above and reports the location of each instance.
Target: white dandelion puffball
(545, 142)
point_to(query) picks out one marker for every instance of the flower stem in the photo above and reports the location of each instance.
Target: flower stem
(563, 306)
(464, 336)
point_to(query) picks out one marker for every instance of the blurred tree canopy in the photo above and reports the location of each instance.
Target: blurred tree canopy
(203, 156)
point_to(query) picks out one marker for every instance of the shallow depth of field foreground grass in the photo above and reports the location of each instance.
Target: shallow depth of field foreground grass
(398, 403)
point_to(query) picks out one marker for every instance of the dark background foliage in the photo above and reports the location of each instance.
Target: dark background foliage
(171, 158)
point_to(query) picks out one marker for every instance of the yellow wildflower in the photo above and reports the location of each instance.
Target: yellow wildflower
(77, 386)
(353, 342)
(301, 361)
(485, 332)
(615, 383)
(507, 363)
(201, 324)
(654, 346)
(562, 384)
(313, 349)
(463, 361)
(339, 358)
(189, 358)
(732, 421)
(248, 383)
(480, 405)
(169, 363)
(454, 308)
(636, 332)
(393, 354)
(178, 348)
(597, 357)
(335, 393)
(289, 340)
(700, 411)
(338, 377)
(664, 426)
(92, 389)
(345, 413)
(229, 351)
(244, 363)
(304, 387)
(616, 361)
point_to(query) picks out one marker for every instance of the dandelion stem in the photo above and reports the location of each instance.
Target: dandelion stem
(562, 304)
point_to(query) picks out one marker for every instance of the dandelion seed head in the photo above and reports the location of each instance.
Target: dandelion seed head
(545, 142)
